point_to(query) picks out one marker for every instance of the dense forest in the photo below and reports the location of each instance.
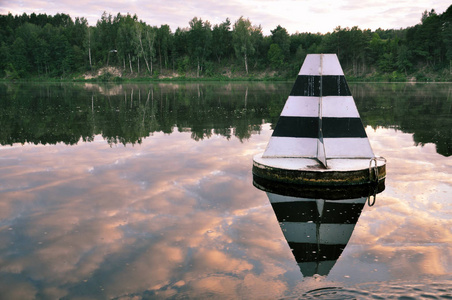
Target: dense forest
(45, 46)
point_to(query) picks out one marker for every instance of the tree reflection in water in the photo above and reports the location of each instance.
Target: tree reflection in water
(128, 113)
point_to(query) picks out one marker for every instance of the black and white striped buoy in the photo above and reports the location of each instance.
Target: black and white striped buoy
(319, 138)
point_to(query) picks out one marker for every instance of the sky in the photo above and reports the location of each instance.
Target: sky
(316, 16)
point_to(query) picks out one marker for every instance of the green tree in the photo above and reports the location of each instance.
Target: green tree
(376, 48)
(5, 58)
(180, 49)
(150, 38)
(29, 33)
(104, 38)
(80, 41)
(425, 40)
(243, 36)
(222, 40)
(126, 41)
(62, 55)
(18, 66)
(281, 38)
(447, 36)
(388, 61)
(140, 29)
(275, 56)
(200, 41)
(163, 45)
(404, 59)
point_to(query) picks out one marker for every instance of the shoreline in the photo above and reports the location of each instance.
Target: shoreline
(107, 75)
(179, 79)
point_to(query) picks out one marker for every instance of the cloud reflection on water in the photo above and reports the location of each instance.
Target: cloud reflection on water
(175, 216)
(111, 216)
(410, 230)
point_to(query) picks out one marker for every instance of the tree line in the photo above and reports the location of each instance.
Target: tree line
(58, 46)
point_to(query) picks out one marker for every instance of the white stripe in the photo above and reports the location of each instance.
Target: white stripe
(291, 147)
(316, 267)
(339, 107)
(307, 147)
(299, 106)
(335, 234)
(348, 148)
(361, 200)
(299, 232)
(276, 198)
(312, 66)
(332, 106)
(329, 234)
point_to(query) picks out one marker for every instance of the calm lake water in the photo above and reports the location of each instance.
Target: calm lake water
(145, 191)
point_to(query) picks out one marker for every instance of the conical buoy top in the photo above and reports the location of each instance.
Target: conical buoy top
(319, 138)
(320, 119)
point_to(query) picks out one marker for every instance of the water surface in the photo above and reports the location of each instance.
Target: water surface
(145, 191)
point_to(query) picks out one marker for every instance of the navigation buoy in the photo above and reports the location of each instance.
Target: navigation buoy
(319, 138)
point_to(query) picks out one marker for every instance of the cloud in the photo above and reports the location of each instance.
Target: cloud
(306, 16)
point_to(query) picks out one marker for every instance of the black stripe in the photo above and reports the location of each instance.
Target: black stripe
(308, 127)
(342, 213)
(343, 127)
(299, 211)
(305, 252)
(309, 85)
(306, 211)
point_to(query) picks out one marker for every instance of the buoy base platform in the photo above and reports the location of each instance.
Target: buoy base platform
(309, 171)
